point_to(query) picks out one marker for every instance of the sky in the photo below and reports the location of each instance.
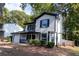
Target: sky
(16, 6)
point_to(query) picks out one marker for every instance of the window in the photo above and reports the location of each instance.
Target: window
(30, 28)
(23, 38)
(44, 36)
(44, 23)
(52, 37)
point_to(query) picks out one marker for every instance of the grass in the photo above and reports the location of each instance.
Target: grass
(75, 50)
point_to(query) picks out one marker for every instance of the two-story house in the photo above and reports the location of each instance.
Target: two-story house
(47, 26)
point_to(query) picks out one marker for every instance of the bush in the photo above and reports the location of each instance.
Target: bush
(9, 39)
(31, 41)
(43, 42)
(50, 44)
(35, 42)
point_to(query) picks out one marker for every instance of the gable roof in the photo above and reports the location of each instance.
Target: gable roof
(52, 14)
(10, 28)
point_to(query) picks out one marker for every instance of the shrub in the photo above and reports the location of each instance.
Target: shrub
(43, 42)
(30, 41)
(50, 44)
(34, 42)
(9, 39)
(37, 43)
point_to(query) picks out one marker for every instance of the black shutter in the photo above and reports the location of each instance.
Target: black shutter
(41, 24)
(47, 22)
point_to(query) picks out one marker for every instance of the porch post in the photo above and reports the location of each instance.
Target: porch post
(31, 36)
(40, 36)
(35, 36)
(47, 39)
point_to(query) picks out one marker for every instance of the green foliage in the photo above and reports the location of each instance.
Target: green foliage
(37, 42)
(14, 16)
(71, 24)
(50, 44)
(30, 41)
(20, 17)
(38, 8)
(5, 12)
(9, 39)
(43, 42)
(34, 42)
(76, 42)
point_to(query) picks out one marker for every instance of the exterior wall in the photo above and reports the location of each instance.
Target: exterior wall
(51, 24)
(26, 28)
(16, 38)
(51, 28)
(60, 29)
(55, 25)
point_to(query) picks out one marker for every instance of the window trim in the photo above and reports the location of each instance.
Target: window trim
(44, 38)
(41, 23)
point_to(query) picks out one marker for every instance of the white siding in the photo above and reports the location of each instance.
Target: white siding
(51, 25)
(26, 28)
(60, 29)
(16, 38)
(11, 28)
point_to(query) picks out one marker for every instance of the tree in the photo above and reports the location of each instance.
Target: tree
(19, 17)
(71, 22)
(38, 8)
(14, 16)
(1, 11)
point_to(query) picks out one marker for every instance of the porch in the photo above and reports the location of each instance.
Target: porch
(26, 36)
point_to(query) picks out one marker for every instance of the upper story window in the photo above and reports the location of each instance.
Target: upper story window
(30, 28)
(44, 23)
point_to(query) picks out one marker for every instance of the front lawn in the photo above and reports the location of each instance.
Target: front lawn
(29, 50)
(75, 50)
